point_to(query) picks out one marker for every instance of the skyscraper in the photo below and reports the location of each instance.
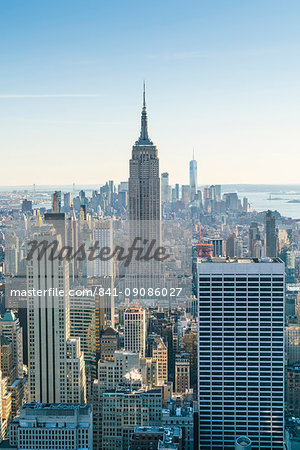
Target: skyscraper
(165, 188)
(144, 204)
(241, 352)
(135, 330)
(159, 352)
(144, 182)
(11, 329)
(193, 177)
(270, 230)
(103, 271)
(56, 202)
(56, 365)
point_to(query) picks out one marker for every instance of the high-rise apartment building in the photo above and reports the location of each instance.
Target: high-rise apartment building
(241, 352)
(56, 365)
(271, 238)
(135, 330)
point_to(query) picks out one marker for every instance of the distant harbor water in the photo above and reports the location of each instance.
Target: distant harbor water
(261, 197)
(282, 198)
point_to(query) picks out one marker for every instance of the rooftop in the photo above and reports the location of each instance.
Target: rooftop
(109, 332)
(171, 431)
(8, 316)
(239, 260)
(61, 406)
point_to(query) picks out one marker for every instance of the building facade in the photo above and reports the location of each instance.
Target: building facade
(241, 352)
(135, 330)
(52, 427)
(56, 365)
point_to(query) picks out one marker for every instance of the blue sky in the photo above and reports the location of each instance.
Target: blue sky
(222, 76)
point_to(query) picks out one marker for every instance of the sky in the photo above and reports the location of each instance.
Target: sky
(222, 77)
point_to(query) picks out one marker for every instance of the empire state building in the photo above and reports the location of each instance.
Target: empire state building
(144, 202)
(144, 182)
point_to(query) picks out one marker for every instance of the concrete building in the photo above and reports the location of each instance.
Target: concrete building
(292, 433)
(146, 438)
(292, 343)
(56, 365)
(181, 416)
(234, 246)
(293, 389)
(165, 188)
(182, 373)
(241, 352)
(109, 343)
(270, 232)
(124, 410)
(255, 242)
(83, 326)
(126, 369)
(11, 253)
(159, 353)
(218, 247)
(135, 330)
(11, 329)
(186, 194)
(7, 364)
(52, 427)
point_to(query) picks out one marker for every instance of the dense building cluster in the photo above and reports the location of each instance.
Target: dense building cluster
(196, 347)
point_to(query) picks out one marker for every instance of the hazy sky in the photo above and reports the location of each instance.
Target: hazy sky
(222, 76)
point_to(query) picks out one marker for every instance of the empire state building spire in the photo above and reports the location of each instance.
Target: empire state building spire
(144, 138)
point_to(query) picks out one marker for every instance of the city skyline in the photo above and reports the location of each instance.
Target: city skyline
(76, 93)
(149, 225)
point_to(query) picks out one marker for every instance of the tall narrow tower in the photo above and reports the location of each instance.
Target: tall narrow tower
(56, 365)
(144, 204)
(135, 330)
(193, 176)
(144, 182)
(270, 230)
